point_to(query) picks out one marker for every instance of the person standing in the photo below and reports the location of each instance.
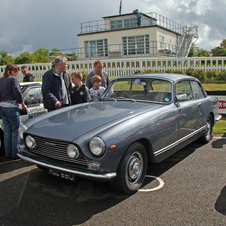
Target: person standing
(27, 76)
(97, 90)
(56, 85)
(98, 70)
(80, 92)
(10, 97)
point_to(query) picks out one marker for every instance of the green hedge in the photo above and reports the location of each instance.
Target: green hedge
(197, 73)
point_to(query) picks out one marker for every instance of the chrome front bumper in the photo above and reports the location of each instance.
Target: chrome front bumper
(106, 176)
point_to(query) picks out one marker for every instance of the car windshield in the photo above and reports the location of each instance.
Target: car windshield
(156, 90)
(22, 88)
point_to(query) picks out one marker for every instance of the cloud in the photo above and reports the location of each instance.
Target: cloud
(27, 25)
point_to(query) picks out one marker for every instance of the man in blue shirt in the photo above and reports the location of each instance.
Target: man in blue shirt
(98, 67)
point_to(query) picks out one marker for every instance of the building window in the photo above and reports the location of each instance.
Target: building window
(124, 23)
(161, 42)
(136, 45)
(130, 22)
(116, 24)
(96, 48)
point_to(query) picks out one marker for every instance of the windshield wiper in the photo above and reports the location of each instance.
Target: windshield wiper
(126, 98)
(118, 98)
(108, 98)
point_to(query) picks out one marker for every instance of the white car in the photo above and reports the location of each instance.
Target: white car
(32, 95)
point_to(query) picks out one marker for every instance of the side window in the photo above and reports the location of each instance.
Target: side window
(197, 90)
(34, 96)
(184, 91)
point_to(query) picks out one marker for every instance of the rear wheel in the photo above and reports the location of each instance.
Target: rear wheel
(132, 170)
(207, 136)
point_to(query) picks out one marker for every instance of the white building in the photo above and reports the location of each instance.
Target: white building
(135, 35)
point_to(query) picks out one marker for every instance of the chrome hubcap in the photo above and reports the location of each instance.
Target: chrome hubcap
(208, 129)
(135, 167)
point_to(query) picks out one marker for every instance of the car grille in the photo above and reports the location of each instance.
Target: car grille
(55, 150)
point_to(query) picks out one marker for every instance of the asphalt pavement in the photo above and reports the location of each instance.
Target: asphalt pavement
(188, 188)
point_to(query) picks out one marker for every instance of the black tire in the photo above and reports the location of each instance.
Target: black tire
(131, 171)
(2, 150)
(207, 136)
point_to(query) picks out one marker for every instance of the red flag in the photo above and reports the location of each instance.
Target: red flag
(120, 7)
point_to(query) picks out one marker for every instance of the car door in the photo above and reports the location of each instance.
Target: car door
(33, 99)
(188, 110)
(199, 100)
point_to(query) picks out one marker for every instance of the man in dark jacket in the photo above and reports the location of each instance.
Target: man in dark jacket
(27, 76)
(79, 93)
(56, 85)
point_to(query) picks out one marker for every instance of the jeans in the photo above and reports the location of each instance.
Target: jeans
(11, 121)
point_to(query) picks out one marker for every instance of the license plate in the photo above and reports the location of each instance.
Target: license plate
(61, 174)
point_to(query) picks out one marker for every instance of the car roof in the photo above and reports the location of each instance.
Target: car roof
(30, 83)
(25, 85)
(165, 76)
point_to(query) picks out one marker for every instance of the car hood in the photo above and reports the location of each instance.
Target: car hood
(72, 122)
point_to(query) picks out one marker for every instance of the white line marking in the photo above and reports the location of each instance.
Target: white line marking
(219, 137)
(161, 184)
(15, 173)
(22, 191)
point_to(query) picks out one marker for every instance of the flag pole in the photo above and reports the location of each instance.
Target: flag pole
(120, 7)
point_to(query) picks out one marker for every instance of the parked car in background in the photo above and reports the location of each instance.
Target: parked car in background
(139, 119)
(32, 95)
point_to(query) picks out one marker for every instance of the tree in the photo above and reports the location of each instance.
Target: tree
(71, 56)
(192, 50)
(40, 55)
(220, 50)
(5, 58)
(195, 51)
(203, 53)
(24, 58)
(54, 53)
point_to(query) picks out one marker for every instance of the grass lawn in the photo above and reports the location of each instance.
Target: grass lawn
(220, 126)
(214, 87)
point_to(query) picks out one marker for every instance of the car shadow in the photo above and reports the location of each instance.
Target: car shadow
(220, 204)
(219, 143)
(9, 164)
(157, 169)
(36, 198)
(34, 195)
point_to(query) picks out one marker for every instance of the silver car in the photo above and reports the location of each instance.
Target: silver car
(32, 95)
(139, 119)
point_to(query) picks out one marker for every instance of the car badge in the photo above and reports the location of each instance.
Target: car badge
(50, 144)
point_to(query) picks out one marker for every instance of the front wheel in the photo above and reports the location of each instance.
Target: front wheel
(132, 170)
(207, 136)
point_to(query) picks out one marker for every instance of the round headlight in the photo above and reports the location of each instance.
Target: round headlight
(30, 142)
(97, 146)
(72, 151)
(21, 131)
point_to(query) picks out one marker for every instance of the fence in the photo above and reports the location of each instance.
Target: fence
(126, 66)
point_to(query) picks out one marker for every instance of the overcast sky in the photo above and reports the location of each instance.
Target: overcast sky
(27, 25)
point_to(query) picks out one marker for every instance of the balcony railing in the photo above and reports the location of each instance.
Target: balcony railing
(157, 19)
